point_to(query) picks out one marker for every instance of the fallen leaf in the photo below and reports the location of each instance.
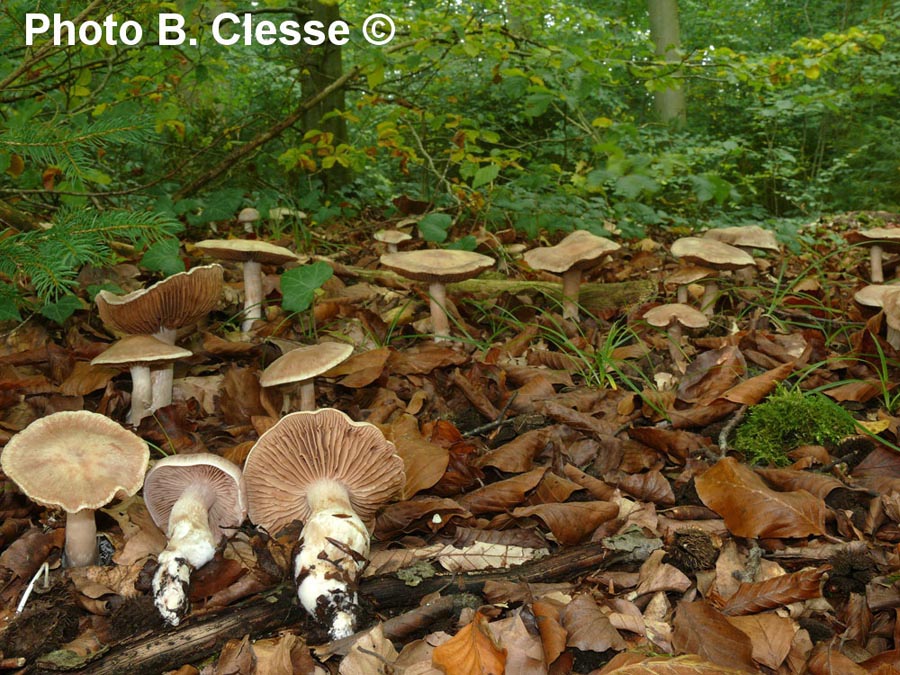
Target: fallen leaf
(371, 654)
(571, 523)
(755, 389)
(553, 635)
(588, 626)
(484, 556)
(424, 462)
(701, 630)
(771, 636)
(471, 651)
(503, 494)
(757, 597)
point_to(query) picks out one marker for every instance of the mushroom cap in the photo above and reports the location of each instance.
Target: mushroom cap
(306, 447)
(892, 310)
(136, 350)
(446, 265)
(171, 476)
(242, 250)
(873, 295)
(281, 212)
(712, 253)
(303, 363)
(392, 236)
(664, 315)
(579, 249)
(745, 236)
(248, 215)
(178, 300)
(75, 460)
(889, 237)
(688, 274)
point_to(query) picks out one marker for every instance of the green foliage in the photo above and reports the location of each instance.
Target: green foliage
(787, 420)
(299, 285)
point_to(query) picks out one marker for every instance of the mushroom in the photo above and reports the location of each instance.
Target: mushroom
(684, 276)
(714, 254)
(579, 250)
(887, 298)
(438, 268)
(76, 461)
(332, 474)
(160, 310)
(745, 237)
(253, 254)
(302, 365)
(246, 217)
(392, 238)
(139, 353)
(193, 499)
(878, 239)
(672, 317)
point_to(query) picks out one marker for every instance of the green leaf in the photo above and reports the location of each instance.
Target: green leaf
(467, 243)
(8, 310)
(62, 309)
(163, 257)
(299, 285)
(484, 175)
(434, 226)
(635, 184)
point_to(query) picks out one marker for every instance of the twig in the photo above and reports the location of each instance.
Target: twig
(728, 428)
(497, 423)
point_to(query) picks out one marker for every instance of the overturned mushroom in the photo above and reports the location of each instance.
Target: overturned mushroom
(194, 499)
(77, 461)
(332, 474)
(140, 353)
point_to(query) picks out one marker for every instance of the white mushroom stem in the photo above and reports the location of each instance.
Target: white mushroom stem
(710, 295)
(335, 544)
(253, 294)
(141, 394)
(893, 337)
(81, 538)
(675, 342)
(308, 394)
(571, 284)
(161, 379)
(682, 294)
(191, 545)
(392, 248)
(440, 323)
(876, 254)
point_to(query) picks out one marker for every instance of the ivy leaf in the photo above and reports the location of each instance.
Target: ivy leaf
(434, 226)
(485, 175)
(62, 309)
(163, 257)
(299, 285)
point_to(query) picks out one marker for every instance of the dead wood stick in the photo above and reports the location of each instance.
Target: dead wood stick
(169, 649)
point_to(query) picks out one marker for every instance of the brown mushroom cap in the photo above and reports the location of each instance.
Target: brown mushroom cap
(579, 249)
(664, 315)
(892, 311)
(873, 295)
(140, 350)
(887, 237)
(179, 300)
(445, 265)
(745, 236)
(171, 476)
(711, 253)
(307, 447)
(688, 274)
(75, 460)
(242, 250)
(392, 236)
(304, 363)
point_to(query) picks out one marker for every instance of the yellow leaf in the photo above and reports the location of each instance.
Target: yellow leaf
(16, 165)
(601, 122)
(471, 652)
(812, 72)
(875, 426)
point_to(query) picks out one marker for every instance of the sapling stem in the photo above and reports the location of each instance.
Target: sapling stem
(191, 545)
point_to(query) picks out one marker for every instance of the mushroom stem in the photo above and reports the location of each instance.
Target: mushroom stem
(675, 343)
(708, 301)
(335, 546)
(571, 284)
(161, 379)
(141, 394)
(253, 294)
(875, 256)
(440, 323)
(81, 538)
(682, 294)
(392, 248)
(308, 394)
(191, 545)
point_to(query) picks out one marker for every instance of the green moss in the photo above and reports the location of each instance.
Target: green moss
(787, 420)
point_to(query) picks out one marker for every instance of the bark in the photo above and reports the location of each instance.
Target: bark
(202, 636)
(664, 29)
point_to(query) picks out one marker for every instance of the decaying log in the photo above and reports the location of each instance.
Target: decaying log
(195, 639)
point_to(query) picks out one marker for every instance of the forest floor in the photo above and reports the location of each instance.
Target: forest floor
(573, 499)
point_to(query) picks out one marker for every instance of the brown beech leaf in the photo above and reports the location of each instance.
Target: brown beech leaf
(588, 626)
(286, 654)
(689, 664)
(86, 378)
(880, 462)
(425, 357)
(553, 488)
(771, 636)
(772, 593)
(599, 489)
(471, 651)
(827, 661)
(650, 486)
(755, 389)
(817, 484)
(239, 396)
(524, 655)
(858, 392)
(424, 462)
(571, 523)
(236, 657)
(408, 515)
(517, 456)
(711, 374)
(677, 444)
(361, 369)
(553, 635)
(503, 494)
(701, 415)
(27, 553)
(702, 630)
(751, 509)
(372, 654)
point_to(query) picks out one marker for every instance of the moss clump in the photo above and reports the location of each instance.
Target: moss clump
(787, 420)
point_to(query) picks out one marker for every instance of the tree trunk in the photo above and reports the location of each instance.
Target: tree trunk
(321, 67)
(664, 29)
